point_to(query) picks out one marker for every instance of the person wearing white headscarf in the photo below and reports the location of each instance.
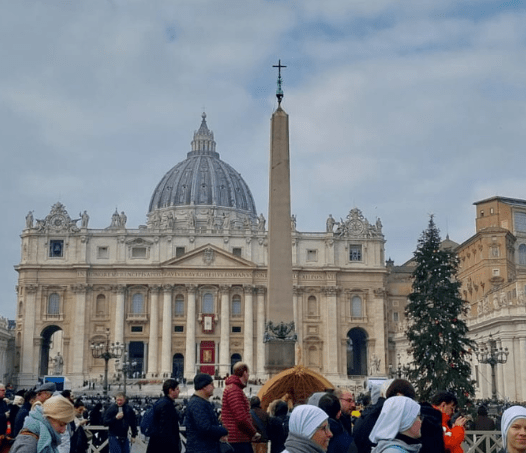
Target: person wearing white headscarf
(309, 430)
(397, 427)
(513, 427)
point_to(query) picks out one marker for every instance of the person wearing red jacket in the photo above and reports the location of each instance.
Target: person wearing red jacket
(446, 403)
(235, 412)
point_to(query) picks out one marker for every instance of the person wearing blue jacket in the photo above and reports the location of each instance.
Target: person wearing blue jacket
(203, 430)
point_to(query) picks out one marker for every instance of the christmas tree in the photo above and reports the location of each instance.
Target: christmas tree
(436, 332)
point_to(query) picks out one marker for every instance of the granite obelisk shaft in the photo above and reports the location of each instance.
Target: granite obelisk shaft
(280, 353)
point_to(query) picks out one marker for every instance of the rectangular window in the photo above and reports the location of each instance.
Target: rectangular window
(236, 251)
(136, 329)
(312, 255)
(179, 307)
(179, 251)
(56, 248)
(355, 252)
(395, 316)
(520, 222)
(103, 252)
(139, 252)
(179, 329)
(496, 272)
(236, 329)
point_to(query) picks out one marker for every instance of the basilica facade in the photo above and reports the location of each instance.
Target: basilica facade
(187, 291)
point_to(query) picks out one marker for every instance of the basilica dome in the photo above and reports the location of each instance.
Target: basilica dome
(203, 179)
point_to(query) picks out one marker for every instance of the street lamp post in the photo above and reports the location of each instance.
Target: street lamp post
(492, 356)
(106, 351)
(127, 366)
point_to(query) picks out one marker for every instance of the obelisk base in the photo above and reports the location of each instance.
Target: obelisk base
(280, 355)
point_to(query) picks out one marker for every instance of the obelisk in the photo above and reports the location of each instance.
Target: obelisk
(280, 336)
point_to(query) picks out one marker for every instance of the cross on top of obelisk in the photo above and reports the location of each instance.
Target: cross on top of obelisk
(279, 91)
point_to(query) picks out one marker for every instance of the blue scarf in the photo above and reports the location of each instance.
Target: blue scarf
(48, 438)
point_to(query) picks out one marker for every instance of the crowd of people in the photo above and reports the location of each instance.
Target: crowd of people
(392, 421)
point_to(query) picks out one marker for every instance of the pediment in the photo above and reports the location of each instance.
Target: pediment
(209, 256)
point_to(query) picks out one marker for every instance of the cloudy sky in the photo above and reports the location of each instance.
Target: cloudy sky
(399, 108)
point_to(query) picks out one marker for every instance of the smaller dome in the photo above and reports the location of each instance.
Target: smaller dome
(203, 179)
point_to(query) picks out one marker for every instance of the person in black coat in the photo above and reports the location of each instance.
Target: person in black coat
(278, 427)
(341, 439)
(166, 421)
(203, 430)
(120, 418)
(29, 399)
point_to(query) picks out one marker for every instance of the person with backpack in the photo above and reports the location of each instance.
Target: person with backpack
(278, 425)
(165, 433)
(260, 420)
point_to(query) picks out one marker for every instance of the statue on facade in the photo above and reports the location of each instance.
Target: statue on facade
(58, 364)
(122, 220)
(261, 222)
(293, 222)
(191, 220)
(84, 219)
(374, 365)
(226, 222)
(330, 224)
(115, 219)
(29, 219)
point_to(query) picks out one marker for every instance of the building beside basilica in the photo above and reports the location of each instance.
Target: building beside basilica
(188, 290)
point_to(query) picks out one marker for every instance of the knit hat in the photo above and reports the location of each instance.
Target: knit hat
(59, 408)
(202, 380)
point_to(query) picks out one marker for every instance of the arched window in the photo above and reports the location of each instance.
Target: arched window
(208, 303)
(312, 306)
(236, 305)
(179, 305)
(53, 305)
(137, 303)
(100, 305)
(356, 307)
(522, 254)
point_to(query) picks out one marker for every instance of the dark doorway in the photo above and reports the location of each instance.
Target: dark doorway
(356, 352)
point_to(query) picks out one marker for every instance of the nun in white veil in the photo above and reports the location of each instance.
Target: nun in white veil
(397, 429)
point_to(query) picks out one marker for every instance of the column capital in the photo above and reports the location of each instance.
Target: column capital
(119, 289)
(81, 288)
(261, 289)
(155, 289)
(248, 289)
(331, 290)
(167, 288)
(31, 289)
(297, 290)
(191, 289)
(225, 289)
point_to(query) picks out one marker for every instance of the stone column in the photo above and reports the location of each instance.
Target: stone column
(329, 249)
(248, 331)
(260, 332)
(296, 299)
(331, 322)
(28, 364)
(224, 342)
(166, 342)
(522, 364)
(79, 321)
(119, 313)
(153, 345)
(189, 357)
